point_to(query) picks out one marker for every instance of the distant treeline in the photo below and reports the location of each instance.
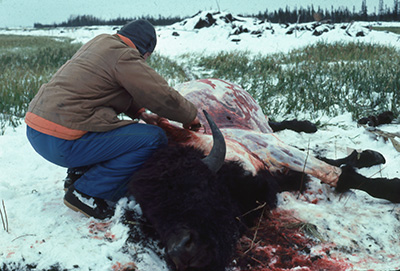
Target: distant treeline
(287, 15)
(88, 20)
(310, 14)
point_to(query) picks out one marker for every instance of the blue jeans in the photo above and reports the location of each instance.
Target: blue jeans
(112, 156)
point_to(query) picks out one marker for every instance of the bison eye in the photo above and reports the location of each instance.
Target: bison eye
(189, 242)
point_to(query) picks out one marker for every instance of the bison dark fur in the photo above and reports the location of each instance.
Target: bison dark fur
(198, 214)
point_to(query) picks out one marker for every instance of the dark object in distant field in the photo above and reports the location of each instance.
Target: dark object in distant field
(384, 118)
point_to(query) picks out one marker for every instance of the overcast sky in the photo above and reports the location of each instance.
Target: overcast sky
(26, 12)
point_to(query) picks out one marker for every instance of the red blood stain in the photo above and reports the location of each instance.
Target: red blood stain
(10, 254)
(278, 243)
(124, 267)
(208, 82)
(176, 134)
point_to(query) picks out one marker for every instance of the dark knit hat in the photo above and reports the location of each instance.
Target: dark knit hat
(142, 34)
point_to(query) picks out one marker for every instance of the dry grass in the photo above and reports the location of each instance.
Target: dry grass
(4, 218)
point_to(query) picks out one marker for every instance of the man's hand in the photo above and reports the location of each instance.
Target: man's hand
(150, 118)
(195, 125)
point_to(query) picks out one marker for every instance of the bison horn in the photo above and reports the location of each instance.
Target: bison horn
(216, 158)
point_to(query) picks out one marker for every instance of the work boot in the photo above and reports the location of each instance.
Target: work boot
(73, 174)
(87, 205)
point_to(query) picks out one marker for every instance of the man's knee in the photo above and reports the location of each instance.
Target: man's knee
(158, 136)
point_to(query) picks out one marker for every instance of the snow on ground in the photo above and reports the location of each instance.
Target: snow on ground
(364, 229)
(42, 231)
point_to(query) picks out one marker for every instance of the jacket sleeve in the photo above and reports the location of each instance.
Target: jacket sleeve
(150, 90)
(134, 112)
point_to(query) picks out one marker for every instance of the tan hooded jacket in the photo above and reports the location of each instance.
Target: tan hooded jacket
(104, 78)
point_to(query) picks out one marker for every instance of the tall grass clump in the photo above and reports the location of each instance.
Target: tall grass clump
(256, 74)
(27, 62)
(173, 72)
(334, 78)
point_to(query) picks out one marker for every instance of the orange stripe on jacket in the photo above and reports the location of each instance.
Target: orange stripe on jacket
(50, 128)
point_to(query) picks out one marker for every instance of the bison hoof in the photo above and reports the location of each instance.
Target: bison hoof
(367, 158)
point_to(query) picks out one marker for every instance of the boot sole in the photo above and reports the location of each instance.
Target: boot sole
(74, 208)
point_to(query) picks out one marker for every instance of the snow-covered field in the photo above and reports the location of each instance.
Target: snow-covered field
(44, 232)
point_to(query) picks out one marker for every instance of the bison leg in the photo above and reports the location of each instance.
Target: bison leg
(383, 188)
(365, 158)
(294, 125)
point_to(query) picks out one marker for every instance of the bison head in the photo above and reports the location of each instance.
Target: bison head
(193, 202)
(192, 211)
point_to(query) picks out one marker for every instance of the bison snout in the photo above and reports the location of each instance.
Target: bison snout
(186, 250)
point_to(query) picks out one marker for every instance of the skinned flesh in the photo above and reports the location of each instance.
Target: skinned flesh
(248, 136)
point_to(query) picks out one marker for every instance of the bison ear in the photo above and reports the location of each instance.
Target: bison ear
(216, 158)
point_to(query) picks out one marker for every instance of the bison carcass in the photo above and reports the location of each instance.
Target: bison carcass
(198, 207)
